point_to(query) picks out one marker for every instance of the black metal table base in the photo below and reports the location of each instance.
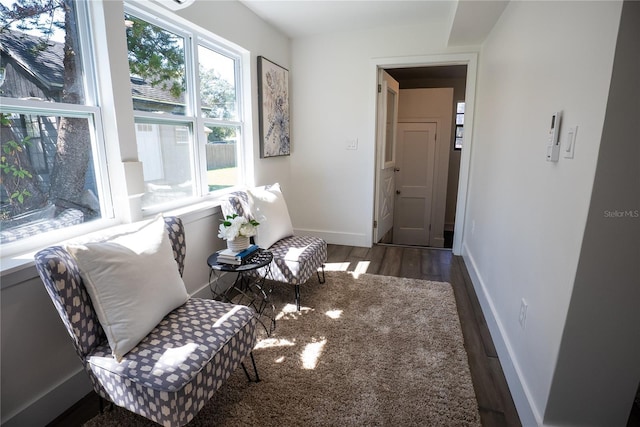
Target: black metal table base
(247, 289)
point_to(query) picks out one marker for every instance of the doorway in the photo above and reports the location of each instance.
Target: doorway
(455, 71)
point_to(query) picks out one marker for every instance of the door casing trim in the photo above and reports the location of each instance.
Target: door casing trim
(471, 61)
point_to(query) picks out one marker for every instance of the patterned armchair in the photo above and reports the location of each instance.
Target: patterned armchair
(175, 370)
(295, 258)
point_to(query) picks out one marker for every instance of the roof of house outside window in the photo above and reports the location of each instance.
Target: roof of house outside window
(43, 60)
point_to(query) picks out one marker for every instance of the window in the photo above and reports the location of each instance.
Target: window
(459, 126)
(220, 116)
(51, 161)
(389, 138)
(186, 100)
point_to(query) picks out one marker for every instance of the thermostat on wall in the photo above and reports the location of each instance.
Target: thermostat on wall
(553, 143)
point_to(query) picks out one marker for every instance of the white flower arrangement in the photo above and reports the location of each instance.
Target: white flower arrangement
(235, 225)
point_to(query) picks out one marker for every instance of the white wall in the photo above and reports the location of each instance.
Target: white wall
(526, 216)
(598, 368)
(333, 87)
(41, 374)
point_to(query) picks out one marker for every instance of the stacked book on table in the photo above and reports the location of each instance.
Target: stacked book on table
(227, 256)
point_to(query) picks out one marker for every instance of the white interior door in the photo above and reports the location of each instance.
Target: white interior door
(416, 154)
(388, 90)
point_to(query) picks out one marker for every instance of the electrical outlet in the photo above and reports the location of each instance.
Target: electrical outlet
(523, 313)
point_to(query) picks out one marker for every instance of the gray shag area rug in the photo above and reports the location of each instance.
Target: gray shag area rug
(365, 350)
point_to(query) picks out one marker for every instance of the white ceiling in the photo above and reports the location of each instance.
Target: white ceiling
(470, 20)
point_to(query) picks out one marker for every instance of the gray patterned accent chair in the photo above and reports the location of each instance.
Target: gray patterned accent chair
(295, 258)
(211, 339)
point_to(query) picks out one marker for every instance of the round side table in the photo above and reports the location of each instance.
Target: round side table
(250, 286)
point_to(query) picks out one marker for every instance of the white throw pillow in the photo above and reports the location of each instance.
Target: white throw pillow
(133, 282)
(270, 210)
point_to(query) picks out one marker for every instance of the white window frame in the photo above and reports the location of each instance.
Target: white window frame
(93, 113)
(89, 16)
(193, 37)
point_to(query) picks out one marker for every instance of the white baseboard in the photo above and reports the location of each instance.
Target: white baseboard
(202, 292)
(51, 404)
(337, 237)
(527, 411)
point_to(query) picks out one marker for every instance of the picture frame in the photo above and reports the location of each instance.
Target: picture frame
(273, 106)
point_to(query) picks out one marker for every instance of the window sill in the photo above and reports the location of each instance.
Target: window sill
(20, 267)
(195, 211)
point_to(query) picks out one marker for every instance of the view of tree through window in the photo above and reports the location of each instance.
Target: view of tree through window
(218, 91)
(157, 67)
(180, 118)
(47, 161)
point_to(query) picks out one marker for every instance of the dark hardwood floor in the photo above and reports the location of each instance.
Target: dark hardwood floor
(494, 400)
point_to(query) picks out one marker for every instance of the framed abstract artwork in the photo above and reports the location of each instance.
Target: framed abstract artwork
(273, 105)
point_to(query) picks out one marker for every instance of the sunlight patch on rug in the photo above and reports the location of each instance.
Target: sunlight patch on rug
(334, 314)
(290, 311)
(312, 353)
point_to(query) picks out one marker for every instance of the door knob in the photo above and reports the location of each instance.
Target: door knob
(398, 191)
(396, 170)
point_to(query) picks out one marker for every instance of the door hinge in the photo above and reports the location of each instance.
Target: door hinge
(375, 224)
(379, 88)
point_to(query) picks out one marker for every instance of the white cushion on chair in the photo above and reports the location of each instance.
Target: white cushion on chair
(270, 210)
(133, 282)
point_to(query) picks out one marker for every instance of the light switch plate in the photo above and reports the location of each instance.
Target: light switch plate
(570, 145)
